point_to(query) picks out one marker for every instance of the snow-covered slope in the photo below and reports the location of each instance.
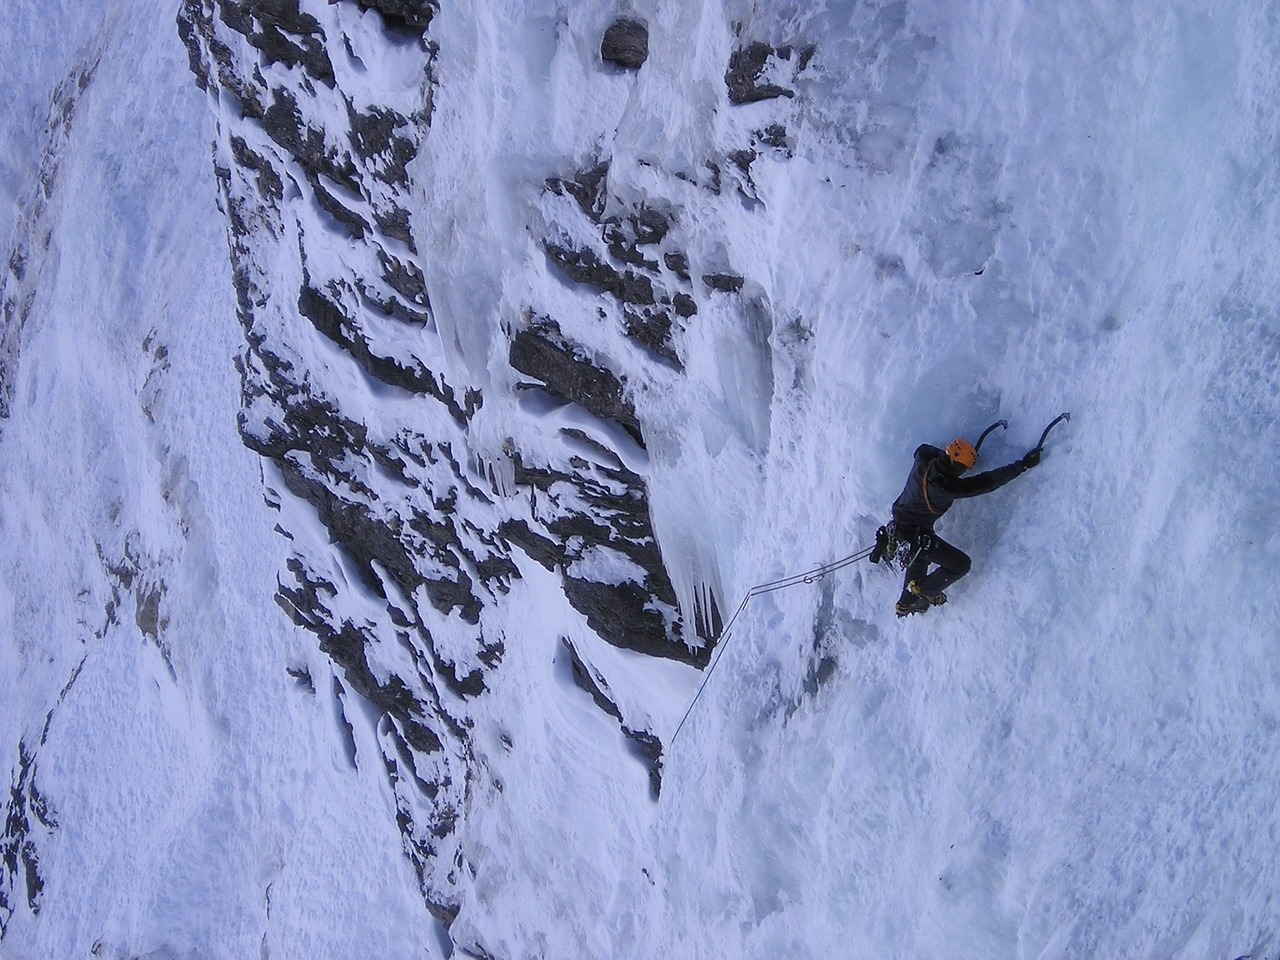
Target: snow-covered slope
(540, 361)
(173, 791)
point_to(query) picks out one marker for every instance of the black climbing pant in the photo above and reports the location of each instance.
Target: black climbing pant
(952, 563)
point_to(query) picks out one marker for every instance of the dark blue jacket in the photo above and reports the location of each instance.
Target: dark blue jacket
(933, 487)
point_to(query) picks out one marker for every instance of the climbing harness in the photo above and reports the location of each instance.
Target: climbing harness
(898, 553)
(809, 576)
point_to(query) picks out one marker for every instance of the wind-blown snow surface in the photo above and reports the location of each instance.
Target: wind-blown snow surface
(978, 210)
(185, 799)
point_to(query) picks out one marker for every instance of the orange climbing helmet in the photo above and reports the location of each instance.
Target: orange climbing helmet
(963, 452)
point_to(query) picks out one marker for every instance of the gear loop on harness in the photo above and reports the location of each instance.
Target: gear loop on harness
(898, 551)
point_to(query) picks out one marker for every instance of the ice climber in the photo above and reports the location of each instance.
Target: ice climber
(937, 480)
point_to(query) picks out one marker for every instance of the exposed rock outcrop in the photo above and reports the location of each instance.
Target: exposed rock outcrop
(754, 71)
(626, 43)
(404, 545)
(26, 814)
(315, 189)
(541, 351)
(631, 259)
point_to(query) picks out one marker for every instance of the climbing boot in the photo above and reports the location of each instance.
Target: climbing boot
(933, 600)
(908, 604)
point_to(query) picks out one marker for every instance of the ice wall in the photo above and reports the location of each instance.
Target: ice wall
(735, 286)
(1074, 756)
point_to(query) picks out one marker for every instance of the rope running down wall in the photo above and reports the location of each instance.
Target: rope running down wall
(809, 576)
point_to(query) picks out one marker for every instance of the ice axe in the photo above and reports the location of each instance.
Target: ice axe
(999, 423)
(1039, 447)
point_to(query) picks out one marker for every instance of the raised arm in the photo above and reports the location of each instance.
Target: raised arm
(981, 483)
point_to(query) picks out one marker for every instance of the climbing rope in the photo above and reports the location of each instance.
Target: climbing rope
(809, 576)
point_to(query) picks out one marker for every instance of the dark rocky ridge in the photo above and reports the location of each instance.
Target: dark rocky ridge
(387, 499)
(32, 233)
(626, 262)
(28, 816)
(26, 813)
(541, 351)
(419, 546)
